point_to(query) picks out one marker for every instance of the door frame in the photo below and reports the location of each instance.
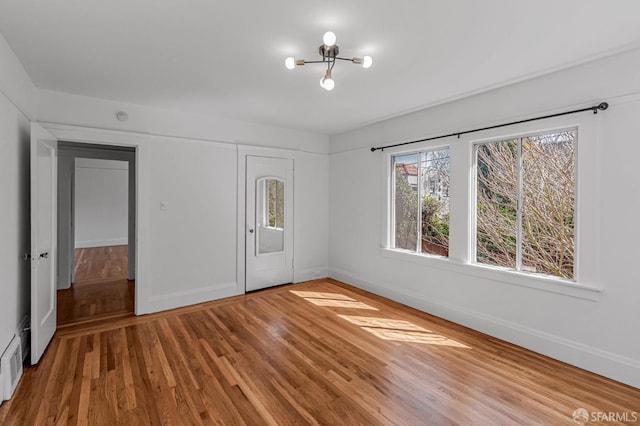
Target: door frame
(266, 262)
(243, 152)
(140, 142)
(67, 154)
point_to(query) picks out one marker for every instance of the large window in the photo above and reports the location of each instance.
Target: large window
(421, 202)
(525, 203)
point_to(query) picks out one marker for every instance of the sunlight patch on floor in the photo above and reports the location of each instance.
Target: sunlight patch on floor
(413, 337)
(383, 328)
(400, 330)
(341, 304)
(321, 295)
(383, 323)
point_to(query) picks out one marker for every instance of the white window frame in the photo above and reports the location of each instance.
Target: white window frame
(587, 283)
(474, 212)
(392, 178)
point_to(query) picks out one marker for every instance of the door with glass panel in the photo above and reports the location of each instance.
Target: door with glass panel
(269, 222)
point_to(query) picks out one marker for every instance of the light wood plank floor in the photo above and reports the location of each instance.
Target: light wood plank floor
(312, 353)
(100, 290)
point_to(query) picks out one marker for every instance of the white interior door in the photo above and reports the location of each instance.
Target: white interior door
(44, 176)
(269, 222)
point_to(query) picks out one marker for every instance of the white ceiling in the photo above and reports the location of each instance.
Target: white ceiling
(226, 58)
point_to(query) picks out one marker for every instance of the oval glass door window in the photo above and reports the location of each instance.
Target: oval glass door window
(270, 215)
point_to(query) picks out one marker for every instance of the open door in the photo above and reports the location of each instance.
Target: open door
(269, 219)
(44, 177)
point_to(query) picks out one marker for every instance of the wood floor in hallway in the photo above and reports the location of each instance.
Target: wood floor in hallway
(100, 264)
(100, 289)
(319, 352)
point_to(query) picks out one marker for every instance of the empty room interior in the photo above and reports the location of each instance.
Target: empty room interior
(363, 212)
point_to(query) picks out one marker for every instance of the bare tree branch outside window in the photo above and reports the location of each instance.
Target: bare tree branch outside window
(545, 165)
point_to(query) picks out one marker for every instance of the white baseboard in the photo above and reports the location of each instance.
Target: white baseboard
(301, 275)
(596, 360)
(194, 296)
(102, 243)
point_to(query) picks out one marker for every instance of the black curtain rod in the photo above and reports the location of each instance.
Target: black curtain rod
(600, 107)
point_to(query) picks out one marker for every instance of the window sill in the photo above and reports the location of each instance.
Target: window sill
(542, 283)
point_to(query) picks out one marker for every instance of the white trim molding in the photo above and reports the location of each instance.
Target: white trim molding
(143, 193)
(102, 243)
(194, 296)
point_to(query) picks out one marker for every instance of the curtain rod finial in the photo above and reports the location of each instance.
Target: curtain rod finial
(603, 106)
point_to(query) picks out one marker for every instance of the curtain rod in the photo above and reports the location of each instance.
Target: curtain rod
(595, 108)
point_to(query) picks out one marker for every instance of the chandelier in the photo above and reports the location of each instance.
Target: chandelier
(329, 51)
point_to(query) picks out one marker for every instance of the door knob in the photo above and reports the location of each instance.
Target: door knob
(251, 231)
(44, 255)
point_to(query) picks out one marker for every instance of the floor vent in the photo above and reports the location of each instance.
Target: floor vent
(11, 366)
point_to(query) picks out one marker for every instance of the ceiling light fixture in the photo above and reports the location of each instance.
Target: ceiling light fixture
(329, 51)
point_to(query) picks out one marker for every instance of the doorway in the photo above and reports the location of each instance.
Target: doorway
(269, 222)
(96, 238)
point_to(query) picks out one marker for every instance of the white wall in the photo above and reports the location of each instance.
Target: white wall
(188, 251)
(311, 216)
(193, 238)
(101, 203)
(596, 331)
(17, 100)
(195, 247)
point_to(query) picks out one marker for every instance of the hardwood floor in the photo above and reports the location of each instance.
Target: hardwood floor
(100, 290)
(312, 353)
(100, 264)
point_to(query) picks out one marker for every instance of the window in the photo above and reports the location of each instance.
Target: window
(525, 203)
(275, 198)
(271, 202)
(421, 184)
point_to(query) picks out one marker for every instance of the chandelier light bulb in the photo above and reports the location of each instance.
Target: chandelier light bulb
(290, 63)
(367, 61)
(329, 38)
(328, 84)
